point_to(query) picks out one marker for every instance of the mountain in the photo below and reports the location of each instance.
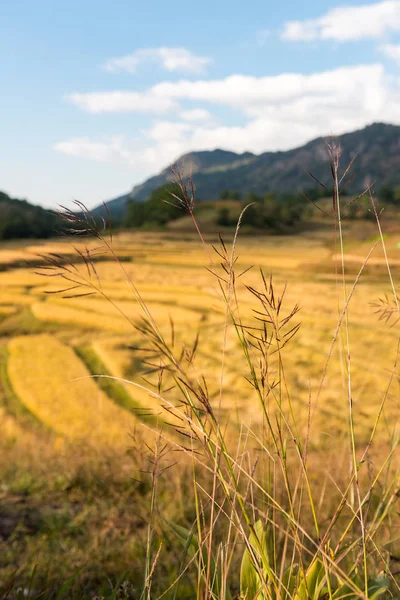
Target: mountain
(20, 219)
(194, 162)
(116, 207)
(377, 148)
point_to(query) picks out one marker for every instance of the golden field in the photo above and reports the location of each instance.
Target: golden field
(59, 419)
(172, 279)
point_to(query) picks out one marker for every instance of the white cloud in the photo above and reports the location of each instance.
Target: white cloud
(391, 51)
(277, 113)
(170, 59)
(259, 94)
(111, 150)
(196, 114)
(346, 23)
(142, 161)
(116, 101)
(358, 89)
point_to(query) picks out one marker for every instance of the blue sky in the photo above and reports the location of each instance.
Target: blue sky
(99, 95)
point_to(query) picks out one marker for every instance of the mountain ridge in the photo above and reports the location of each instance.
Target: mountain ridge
(377, 147)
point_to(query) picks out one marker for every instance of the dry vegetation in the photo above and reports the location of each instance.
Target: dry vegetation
(78, 492)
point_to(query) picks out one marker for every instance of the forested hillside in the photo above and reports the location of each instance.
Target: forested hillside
(20, 219)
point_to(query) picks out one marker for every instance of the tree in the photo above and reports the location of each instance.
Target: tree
(234, 196)
(386, 194)
(270, 210)
(223, 217)
(135, 214)
(269, 197)
(19, 219)
(229, 195)
(253, 215)
(161, 207)
(252, 197)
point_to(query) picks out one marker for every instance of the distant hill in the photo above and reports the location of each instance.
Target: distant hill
(116, 207)
(20, 219)
(378, 159)
(193, 162)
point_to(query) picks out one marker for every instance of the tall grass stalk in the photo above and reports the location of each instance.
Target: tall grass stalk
(335, 154)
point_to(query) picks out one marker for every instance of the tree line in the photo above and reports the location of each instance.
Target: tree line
(268, 211)
(20, 219)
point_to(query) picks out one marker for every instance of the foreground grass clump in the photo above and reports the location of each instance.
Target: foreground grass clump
(73, 512)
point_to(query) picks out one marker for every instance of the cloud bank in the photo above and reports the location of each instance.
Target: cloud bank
(342, 90)
(275, 112)
(347, 23)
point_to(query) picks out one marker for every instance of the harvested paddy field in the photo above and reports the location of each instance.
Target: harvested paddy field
(173, 279)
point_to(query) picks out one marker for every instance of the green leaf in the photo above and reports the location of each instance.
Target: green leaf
(289, 581)
(192, 549)
(187, 538)
(251, 581)
(378, 586)
(311, 582)
(66, 586)
(344, 592)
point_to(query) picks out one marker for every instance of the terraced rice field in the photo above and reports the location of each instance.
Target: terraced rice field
(44, 334)
(70, 402)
